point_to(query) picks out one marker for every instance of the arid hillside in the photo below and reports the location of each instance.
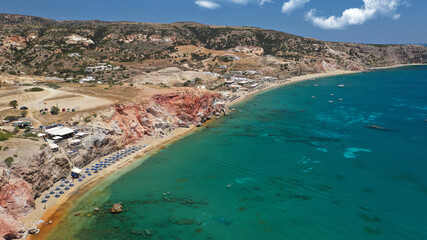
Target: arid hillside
(39, 46)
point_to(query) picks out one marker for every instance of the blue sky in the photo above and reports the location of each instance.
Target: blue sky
(364, 21)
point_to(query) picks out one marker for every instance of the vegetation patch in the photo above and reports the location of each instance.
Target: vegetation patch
(52, 85)
(9, 161)
(34, 89)
(4, 136)
(11, 118)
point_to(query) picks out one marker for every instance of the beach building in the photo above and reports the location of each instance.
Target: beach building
(60, 132)
(268, 79)
(75, 172)
(80, 135)
(54, 147)
(75, 142)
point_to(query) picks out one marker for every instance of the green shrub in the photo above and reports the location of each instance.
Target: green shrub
(87, 119)
(52, 85)
(34, 89)
(11, 118)
(54, 110)
(13, 103)
(9, 161)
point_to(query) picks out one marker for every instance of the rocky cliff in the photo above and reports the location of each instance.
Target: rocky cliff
(123, 124)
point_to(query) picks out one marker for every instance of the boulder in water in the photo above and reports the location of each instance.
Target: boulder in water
(117, 208)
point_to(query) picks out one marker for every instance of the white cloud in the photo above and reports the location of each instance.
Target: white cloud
(357, 16)
(207, 4)
(264, 2)
(291, 5)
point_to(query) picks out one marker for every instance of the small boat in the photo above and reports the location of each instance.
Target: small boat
(316, 85)
(341, 85)
(339, 99)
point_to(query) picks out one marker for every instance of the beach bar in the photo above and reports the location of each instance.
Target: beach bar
(62, 132)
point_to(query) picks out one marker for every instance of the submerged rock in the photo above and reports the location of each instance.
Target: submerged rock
(117, 208)
(185, 221)
(148, 232)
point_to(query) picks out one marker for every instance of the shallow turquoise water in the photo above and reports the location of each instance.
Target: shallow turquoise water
(297, 167)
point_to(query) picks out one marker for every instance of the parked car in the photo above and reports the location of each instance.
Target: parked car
(23, 108)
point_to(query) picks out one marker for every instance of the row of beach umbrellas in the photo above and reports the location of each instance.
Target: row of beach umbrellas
(66, 184)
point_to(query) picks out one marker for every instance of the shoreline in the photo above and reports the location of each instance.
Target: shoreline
(398, 66)
(62, 205)
(55, 209)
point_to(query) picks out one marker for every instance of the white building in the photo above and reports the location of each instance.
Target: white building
(87, 79)
(74, 55)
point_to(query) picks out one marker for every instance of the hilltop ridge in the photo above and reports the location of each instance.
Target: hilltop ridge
(41, 46)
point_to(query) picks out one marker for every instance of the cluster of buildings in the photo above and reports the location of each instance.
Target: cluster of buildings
(57, 133)
(239, 79)
(101, 67)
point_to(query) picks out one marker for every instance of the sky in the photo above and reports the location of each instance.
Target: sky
(362, 21)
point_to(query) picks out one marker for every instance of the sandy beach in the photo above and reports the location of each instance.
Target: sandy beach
(52, 211)
(399, 65)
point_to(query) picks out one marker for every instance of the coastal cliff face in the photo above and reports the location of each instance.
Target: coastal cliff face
(164, 113)
(124, 124)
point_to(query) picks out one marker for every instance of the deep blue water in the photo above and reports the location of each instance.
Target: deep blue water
(297, 167)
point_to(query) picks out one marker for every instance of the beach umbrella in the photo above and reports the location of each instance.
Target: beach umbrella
(57, 196)
(66, 188)
(47, 196)
(44, 201)
(57, 189)
(61, 192)
(87, 168)
(90, 174)
(80, 180)
(71, 185)
(67, 181)
(61, 185)
(52, 192)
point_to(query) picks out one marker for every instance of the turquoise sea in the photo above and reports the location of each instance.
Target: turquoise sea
(284, 165)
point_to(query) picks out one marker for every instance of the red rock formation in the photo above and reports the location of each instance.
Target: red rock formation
(16, 199)
(164, 113)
